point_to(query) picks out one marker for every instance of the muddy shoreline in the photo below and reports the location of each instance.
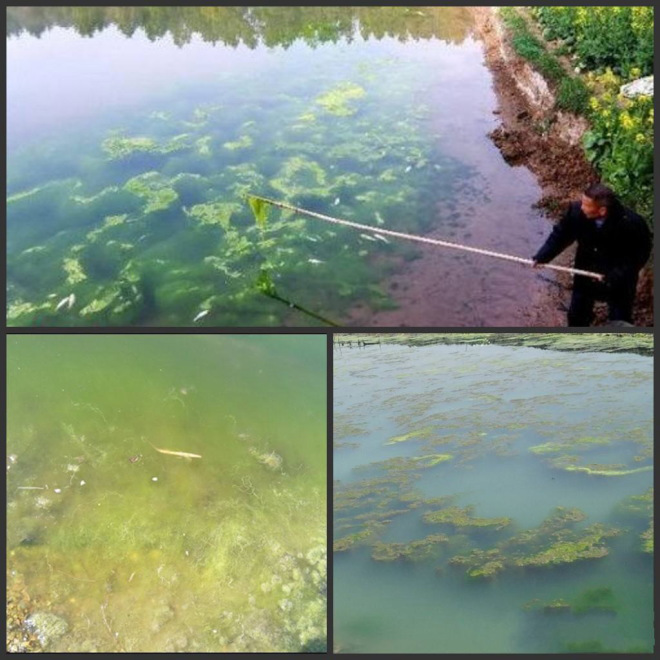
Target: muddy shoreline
(548, 143)
(533, 137)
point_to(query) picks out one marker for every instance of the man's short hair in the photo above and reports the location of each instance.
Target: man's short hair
(602, 195)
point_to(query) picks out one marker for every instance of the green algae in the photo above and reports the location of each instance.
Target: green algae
(121, 147)
(635, 509)
(432, 459)
(122, 536)
(606, 471)
(419, 434)
(74, 271)
(462, 517)
(338, 100)
(118, 147)
(553, 543)
(243, 142)
(300, 176)
(480, 564)
(109, 221)
(213, 213)
(588, 545)
(152, 188)
(598, 599)
(418, 550)
(595, 599)
(576, 444)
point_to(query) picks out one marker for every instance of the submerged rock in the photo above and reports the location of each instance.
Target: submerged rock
(47, 627)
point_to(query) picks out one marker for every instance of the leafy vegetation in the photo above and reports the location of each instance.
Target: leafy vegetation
(610, 46)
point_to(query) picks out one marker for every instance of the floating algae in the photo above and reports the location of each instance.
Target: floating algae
(337, 101)
(462, 517)
(419, 550)
(496, 500)
(420, 433)
(155, 190)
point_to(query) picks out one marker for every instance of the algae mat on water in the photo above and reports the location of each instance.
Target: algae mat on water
(510, 482)
(166, 493)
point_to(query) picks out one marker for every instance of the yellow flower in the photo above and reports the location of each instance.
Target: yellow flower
(639, 138)
(626, 121)
(635, 72)
(593, 103)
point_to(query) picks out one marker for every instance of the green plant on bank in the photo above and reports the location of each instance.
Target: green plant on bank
(572, 94)
(614, 45)
(616, 37)
(620, 141)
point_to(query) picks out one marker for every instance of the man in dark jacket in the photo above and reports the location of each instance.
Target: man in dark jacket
(612, 240)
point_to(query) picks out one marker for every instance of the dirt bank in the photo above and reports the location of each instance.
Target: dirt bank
(548, 143)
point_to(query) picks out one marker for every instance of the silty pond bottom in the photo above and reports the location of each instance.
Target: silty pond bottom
(125, 191)
(119, 543)
(492, 499)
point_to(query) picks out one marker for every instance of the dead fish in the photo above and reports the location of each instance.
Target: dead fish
(315, 261)
(367, 237)
(408, 168)
(201, 315)
(381, 238)
(68, 301)
(135, 459)
(181, 454)
(336, 202)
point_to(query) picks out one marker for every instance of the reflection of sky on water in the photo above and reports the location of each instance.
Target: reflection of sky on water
(63, 77)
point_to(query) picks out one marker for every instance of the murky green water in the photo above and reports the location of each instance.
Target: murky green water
(470, 450)
(134, 134)
(139, 550)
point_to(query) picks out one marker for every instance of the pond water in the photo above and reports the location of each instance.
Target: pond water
(135, 133)
(140, 550)
(525, 478)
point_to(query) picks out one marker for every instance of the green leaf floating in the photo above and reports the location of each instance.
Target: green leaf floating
(260, 210)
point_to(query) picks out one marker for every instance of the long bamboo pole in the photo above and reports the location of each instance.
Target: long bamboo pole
(429, 241)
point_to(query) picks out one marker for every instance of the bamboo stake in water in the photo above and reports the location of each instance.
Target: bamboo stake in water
(429, 241)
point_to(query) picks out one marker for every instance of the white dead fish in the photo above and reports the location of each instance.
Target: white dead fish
(379, 218)
(380, 237)
(408, 168)
(311, 238)
(68, 301)
(201, 315)
(315, 261)
(180, 454)
(336, 202)
(367, 237)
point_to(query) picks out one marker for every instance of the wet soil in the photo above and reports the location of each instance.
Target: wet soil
(441, 290)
